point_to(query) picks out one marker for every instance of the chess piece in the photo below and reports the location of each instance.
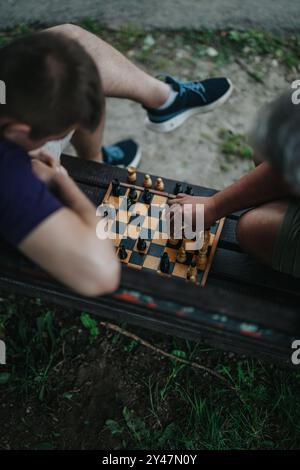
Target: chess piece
(189, 191)
(129, 203)
(115, 187)
(131, 174)
(202, 256)
(178, 188)
(192, 271)
(165, 264)
(159, 185)
(205, 241)
(141, 244)
(181, 255)
(147, 181)
(122, 253)
(193, 278)
(173, 241)
(132, 195)
(201, 261)
(146, 196)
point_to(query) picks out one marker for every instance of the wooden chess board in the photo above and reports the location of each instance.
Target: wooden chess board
(150, 224)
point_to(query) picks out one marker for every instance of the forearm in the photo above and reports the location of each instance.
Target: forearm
(263, 184)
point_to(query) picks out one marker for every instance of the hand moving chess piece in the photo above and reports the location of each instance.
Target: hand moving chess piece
(115, 187)
(165, 264)
(147, 181)
(159, 185)
(122, 253)
(131, 174)
(141, 244)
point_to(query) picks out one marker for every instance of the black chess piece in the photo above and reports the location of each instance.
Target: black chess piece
(132, 195)
(146, 196)
(178, 188)
(165, 263)
(141, 244)
(115, 187)
(189, 191)
(122, 253)
(129, 203)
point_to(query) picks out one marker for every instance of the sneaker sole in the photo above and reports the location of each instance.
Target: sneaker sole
(176, 121)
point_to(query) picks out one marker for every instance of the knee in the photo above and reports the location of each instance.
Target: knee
(243, 229)
(68, 29)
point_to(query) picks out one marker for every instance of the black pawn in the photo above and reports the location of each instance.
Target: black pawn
(115, 187)
(141, 244)
(189, 190)
(132, 195)
(146, 196)
(122, 253)
(178, 188)
(165, 264)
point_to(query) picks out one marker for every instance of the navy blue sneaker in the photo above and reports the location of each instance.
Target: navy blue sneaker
(192, 98)
(122, 154)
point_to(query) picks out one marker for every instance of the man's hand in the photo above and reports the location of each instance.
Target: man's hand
(45, 157)
(189, 204)
(46, 168)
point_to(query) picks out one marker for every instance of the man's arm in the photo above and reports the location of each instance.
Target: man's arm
(263, 184)
(66, 245)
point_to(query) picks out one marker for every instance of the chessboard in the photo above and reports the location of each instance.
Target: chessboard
(141, 237)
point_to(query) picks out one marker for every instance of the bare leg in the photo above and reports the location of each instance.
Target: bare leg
(258, 229)
(88, 144)
(120, 77)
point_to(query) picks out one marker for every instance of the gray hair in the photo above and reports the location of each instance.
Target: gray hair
(276, 137)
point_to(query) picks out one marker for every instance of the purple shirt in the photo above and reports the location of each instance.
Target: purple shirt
(25, 201)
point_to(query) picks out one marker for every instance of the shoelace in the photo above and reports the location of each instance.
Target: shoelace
(196, 87)
(183, 87)
(113, 153)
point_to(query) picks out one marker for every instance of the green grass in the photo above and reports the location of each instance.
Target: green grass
(234, 145)
(157, 48)
(176, 406)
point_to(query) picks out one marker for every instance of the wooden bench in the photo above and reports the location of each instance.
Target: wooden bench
(245, 307)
